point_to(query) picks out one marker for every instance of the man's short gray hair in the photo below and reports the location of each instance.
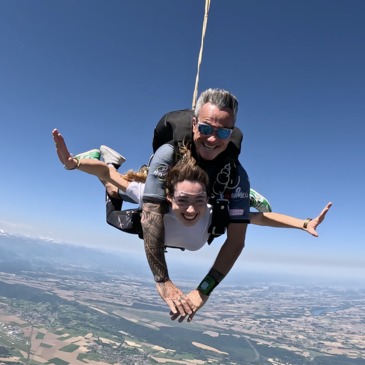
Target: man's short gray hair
(220, 98)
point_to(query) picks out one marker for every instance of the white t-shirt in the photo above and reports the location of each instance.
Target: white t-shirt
(191, 238)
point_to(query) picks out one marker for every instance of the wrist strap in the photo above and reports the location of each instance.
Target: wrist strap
(207, 285)
(212, 280)
(305, 224)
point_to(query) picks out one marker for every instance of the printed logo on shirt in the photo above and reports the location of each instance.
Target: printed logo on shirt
(223, 180)
(161, 172)
(239, 194)
(235, 212)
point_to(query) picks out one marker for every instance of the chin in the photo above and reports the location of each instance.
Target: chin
(207, 154)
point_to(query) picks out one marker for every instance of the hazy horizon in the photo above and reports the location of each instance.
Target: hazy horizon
(249, 269)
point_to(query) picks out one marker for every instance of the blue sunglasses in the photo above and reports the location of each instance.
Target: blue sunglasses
(207, 130)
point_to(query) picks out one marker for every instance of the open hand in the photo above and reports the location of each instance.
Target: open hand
(314, 223)
(64, 155)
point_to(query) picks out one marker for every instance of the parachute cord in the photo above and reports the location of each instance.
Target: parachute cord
(207, 5)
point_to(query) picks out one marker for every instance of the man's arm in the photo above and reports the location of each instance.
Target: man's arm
(232, 248)
(226, 258)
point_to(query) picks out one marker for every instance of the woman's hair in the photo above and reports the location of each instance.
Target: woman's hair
(138, 176)
(185, 169)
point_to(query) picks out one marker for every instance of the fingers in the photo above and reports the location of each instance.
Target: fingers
(180, 308)
(173, 310)
(312, 226)
(61, 148)
(57, 137)
(180, 318)
(183, 305)
(179, 304)
(326, 209)
(174, 315)
(190, 317)
(322, 215)
(313, 233)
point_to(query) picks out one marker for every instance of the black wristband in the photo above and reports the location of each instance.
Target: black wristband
(212, 280)
(207, 285)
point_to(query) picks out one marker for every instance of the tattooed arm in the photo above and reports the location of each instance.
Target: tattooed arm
(153, 235)
(153, 230)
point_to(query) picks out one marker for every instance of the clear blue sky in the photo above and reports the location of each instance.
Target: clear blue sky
(104, 72)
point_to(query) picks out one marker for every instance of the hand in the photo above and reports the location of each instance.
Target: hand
(64, 155)
(176, 300)
(198, 299)
(314, 223)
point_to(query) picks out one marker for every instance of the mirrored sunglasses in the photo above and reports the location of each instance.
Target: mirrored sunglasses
(221, 133)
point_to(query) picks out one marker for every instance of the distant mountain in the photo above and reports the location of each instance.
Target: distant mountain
(20, 251)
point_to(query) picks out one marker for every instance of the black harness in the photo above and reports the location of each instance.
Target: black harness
(175, 128)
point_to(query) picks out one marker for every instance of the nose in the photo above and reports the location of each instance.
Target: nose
(190, 208)
(212, 138)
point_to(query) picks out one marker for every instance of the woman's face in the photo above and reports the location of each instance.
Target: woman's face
(189, 202)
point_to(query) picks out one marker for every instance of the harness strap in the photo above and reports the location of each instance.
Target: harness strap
(220, 219)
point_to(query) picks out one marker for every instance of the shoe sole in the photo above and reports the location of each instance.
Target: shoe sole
(121, 159)
(89, 155)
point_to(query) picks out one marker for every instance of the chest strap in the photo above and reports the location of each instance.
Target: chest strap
(220, 219)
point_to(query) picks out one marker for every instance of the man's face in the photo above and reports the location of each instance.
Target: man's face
(210, 146)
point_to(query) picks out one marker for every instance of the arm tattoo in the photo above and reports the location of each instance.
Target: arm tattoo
(153, 236)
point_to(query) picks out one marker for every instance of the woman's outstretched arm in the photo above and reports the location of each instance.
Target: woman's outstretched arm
(285, 221)
(94, 167)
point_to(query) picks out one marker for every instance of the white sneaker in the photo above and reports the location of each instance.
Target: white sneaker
(110, 156)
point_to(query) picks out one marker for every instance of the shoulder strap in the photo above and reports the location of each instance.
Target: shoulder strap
(172, 128)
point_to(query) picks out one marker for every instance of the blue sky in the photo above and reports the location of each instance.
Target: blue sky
(104, 72)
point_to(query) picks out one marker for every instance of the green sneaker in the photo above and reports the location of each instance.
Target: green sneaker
(259, 202)
(89, 155)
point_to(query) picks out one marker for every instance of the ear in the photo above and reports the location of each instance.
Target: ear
(195, 124)
(169, 198)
